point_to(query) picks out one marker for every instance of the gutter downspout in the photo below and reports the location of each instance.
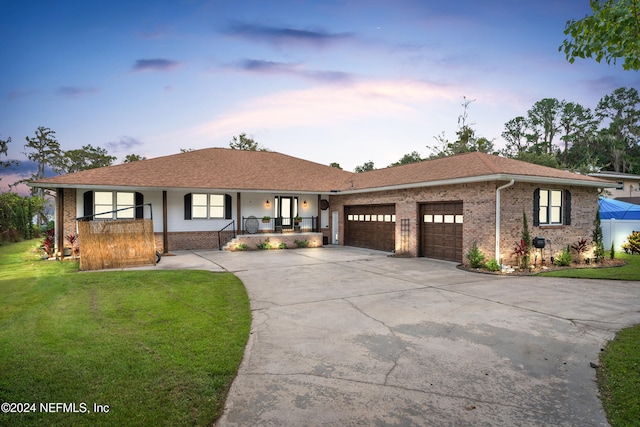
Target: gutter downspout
(509, 184)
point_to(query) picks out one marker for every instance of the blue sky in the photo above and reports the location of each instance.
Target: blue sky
(346, 81)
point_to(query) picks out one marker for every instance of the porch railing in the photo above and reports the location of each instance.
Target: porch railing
(226, 234)
(279, 225)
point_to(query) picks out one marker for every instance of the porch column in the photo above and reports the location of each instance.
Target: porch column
(165, 227)
(238, 212)
(59, 222)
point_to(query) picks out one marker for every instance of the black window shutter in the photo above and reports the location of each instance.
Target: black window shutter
(227, 206)
(139, 207)
(88, 205)
(536, 206)
(567, 207)
(187, 206)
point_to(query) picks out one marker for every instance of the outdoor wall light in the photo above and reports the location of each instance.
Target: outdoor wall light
(267, 203)
(304, 204)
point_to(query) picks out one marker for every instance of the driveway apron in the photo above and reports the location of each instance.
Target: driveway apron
(347, 336)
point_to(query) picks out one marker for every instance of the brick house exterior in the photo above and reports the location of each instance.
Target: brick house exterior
(259, 183)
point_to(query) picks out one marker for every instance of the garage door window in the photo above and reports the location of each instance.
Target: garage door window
(446, 219)
(372, 218)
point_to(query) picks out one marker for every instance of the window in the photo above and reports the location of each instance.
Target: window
(620, 185)
(207, 206)
(125, 201)
(551, 207)
(113, 205)
(103, 203)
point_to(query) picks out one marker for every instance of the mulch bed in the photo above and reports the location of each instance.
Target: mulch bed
(547, 267)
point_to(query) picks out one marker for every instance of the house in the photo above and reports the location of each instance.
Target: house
(627, 187)
(436, 208)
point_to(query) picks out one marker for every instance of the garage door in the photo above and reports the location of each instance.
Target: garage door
(441, 230)
(371, 226)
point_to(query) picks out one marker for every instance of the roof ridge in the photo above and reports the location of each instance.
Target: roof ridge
(488, 160)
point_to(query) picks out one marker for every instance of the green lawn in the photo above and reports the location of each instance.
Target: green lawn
(619, 378)
(157, 347)
(629, 271)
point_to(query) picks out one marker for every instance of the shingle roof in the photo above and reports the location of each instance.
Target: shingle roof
(215, 168)
(459, 167)
(223, 168)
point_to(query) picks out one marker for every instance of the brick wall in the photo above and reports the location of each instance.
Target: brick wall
(68, 214)
(479, 214)
(188, 240)
(251, 240)
(515, 199)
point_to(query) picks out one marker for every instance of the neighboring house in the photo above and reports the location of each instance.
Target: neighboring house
(436, 208)
(627, 188)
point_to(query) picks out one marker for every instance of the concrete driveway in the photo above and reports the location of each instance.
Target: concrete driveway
(346, 336)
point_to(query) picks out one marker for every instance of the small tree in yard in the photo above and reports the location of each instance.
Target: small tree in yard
(475, 256)
(596, 237)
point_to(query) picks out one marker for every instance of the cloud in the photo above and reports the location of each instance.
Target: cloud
(275, 35)
(156, 33)
(124, 143)
(76, 91)
(157, 64)
(607, 84)
(370, 100)
(17, 94)
(294, 69)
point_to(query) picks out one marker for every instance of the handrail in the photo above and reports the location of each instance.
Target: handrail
(277, 224)
(222, 230)
(92, 216)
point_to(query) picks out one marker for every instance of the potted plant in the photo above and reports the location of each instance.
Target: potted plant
(266, 219)
(297, 220)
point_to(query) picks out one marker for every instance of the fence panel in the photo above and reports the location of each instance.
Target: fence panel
(617, 230)
(116, 244)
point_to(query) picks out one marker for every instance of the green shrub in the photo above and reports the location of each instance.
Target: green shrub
(302, 243)
(475, 256)
(264, 245)
(564, 259)
(493, 265)
(632, 245)
(282, 245)
(612, 253)
(242, 247)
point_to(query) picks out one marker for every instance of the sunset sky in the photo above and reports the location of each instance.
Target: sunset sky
(344, 81)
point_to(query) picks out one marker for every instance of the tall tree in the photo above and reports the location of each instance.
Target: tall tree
(611, 33)
(466, 138)
(129, 158)
(516, 134)
(621, 111)
(577, 123)
(544, 121)
(413, 157)
(88, 157)
(368, 166)
(242, 142)
(45, 151)
(335, 165)
(4, 149)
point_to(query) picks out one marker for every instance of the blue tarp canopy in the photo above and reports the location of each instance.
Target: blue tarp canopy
(611, 208)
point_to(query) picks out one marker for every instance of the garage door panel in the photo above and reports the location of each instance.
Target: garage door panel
(441, 230)
(370, 226)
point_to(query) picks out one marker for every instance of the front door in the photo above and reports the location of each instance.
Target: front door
(286, 209)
